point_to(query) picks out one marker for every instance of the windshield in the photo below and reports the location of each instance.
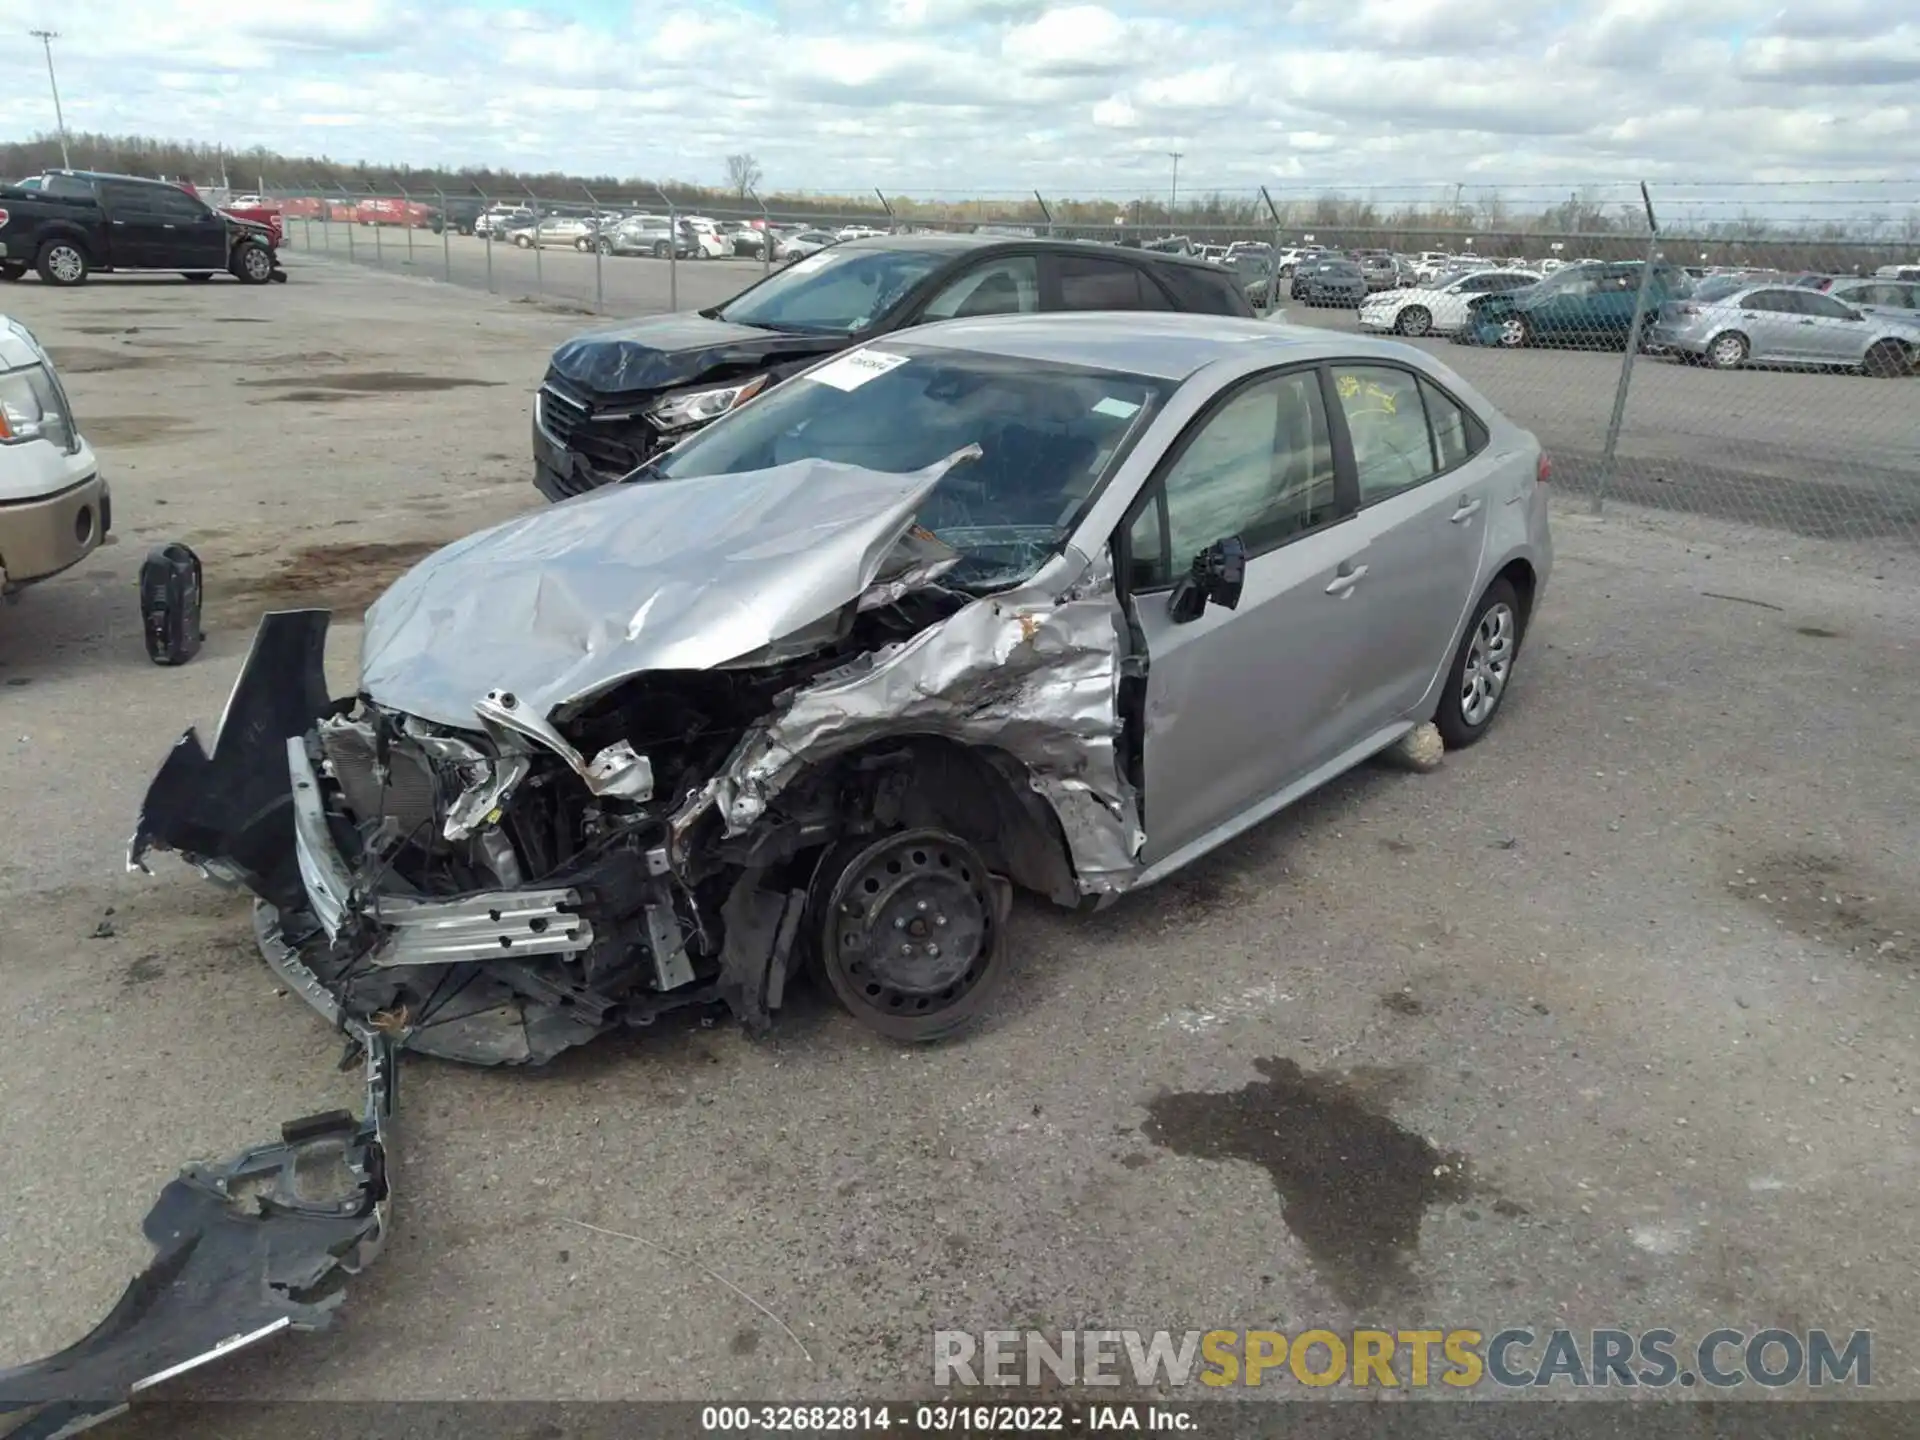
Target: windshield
(1049, 435)
(834, 292)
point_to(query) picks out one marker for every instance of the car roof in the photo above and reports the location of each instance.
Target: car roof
(1167, 345)
(961, 243)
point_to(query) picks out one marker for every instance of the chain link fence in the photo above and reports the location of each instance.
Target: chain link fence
(1762, 370)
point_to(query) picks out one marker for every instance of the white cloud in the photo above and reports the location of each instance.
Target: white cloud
(954, 96)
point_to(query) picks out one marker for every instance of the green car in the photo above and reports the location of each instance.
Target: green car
(1584, 304)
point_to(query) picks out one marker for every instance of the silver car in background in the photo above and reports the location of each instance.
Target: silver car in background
(1729, 322)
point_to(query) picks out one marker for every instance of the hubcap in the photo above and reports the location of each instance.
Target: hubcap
(65, 263)
(1489, 662)
(256, 262)
(911, 924)
(1513, 332)
(1415, 322)
(1727, 352)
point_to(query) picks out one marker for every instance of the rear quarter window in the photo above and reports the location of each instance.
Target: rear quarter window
(1203, 292)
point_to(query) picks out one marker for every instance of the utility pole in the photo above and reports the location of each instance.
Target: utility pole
(1173, 191)
(46, 39)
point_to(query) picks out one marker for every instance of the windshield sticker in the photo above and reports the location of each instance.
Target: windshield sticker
(856, 368)
(1116, 407)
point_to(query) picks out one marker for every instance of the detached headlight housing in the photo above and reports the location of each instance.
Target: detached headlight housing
(32, 408)
(698, 407)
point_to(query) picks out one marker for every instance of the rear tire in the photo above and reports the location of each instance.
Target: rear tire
(583, 245)
(1515, 332)
(1886, 360)
(660, 250)
(1482, 669)
(1414, 320)
(13, 270)
(523, 241)
(1728, 351)
(63, 263)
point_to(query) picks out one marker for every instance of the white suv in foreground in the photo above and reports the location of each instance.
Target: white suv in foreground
(54, 507)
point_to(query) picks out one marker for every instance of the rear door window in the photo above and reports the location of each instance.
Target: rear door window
(1091, 283)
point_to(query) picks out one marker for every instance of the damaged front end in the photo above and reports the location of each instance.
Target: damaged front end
(660, 807)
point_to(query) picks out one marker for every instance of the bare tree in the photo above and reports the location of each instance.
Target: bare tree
(743, 174)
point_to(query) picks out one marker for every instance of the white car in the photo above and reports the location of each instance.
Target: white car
(54, 507)
(709, 243)
(498, 218)
(1438, 306)
(805, 243)
(1430, 263)
(859, 232)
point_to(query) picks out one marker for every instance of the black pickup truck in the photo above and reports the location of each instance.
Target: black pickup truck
(68, 224)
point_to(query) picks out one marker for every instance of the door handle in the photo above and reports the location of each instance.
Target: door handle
(1346, 579)
(1468, 509)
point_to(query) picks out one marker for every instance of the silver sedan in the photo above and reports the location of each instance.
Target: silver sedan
(1730, 324)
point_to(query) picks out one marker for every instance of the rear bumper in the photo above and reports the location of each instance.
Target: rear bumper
(41, 537)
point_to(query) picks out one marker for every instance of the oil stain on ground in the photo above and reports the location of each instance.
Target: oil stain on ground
(1354, 1184)
(1820, 897)
(374, 382)
(346, 577)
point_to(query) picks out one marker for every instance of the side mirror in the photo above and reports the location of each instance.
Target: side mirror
(1219, 572)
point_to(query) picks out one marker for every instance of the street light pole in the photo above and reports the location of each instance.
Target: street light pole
(46, 39)
(1173, 191)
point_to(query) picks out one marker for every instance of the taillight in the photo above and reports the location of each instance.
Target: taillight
(1543, 470)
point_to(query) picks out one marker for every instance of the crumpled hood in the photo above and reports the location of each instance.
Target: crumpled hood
(564, 603)
(667, 350)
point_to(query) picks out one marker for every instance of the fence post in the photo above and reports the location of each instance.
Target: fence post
(1608, 449)
(406, 216)
(892, 223)
(1273, 262)
(379, 245)
(1040, 200)
(593, 239)
(673, 250)
(766, 234)
(446, 231)
(352, 249)
(539, 272)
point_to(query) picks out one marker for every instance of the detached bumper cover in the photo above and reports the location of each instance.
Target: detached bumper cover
(244, 1250)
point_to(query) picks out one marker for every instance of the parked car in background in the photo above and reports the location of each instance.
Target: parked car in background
(744, 239)
(497, 218)
(1329, 282)
(75, 223)
(858, 232)
(1583, 304)
(708, 242)
(1429, 264)
(1379, 271)
(1255, 271)
(1214, 253)
(803, 243)
(458, 213)
(614, 398)
(1897, 272)
(647, 235)
(54, 507)
(1438, 308)
(1772, 324)
(575, 232)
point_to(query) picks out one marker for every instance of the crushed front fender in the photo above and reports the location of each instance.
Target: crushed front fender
(262, 1243)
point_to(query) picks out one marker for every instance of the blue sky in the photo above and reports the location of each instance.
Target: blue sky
(1070, 96)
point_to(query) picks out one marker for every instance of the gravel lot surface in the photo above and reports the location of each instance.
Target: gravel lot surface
(1641, 966)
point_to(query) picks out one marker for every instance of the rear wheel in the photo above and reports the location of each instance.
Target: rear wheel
(660, 250)
(525, 242)
(1515, 332)
(1728, 352)
(1414, 320)
(1886, 359)
(61, 262)
(1482, 668)
(911, 934)
(583, 245)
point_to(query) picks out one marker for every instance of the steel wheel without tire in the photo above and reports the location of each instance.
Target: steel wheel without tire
(1727, 352)
(1482, 668)
(1514, 331)
(253, 263)
(1414, 320)
(911, 934)
(62, 263)
(1885, 359)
